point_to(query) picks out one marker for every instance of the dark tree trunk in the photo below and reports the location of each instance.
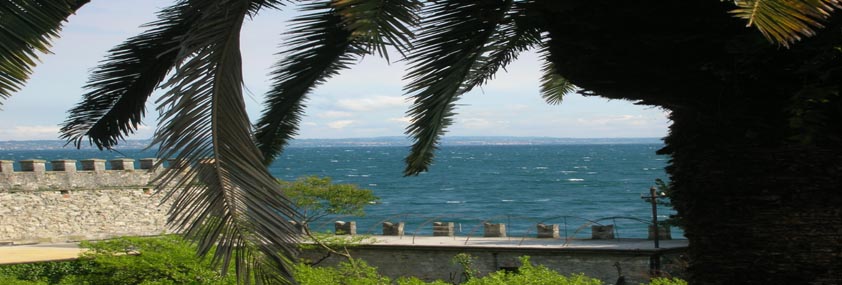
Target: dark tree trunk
(756, 139)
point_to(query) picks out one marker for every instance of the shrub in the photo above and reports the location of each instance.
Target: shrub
(532, 275)
(667, 281)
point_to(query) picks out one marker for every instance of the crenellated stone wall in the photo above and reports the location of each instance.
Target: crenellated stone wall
(79, 200)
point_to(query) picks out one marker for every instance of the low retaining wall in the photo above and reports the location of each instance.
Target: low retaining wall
(435, 262)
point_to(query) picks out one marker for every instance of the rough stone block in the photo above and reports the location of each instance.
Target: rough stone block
(7, 167)
(345, 228)
(391, 229)
(122, 164)
(148, 163)
(33, 165)
(547, 231)
(664, 233)
(93, 164)
(602, 232)
(494, 230)
(64, 165)
(442, 229)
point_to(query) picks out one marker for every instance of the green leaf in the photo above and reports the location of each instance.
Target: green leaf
(224, 195)
(785, 21)
(453, 40)
(27, 28)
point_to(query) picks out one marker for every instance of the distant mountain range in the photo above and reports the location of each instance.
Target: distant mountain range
(374, 141)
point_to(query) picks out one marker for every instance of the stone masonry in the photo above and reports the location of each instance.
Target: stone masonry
(70, 203)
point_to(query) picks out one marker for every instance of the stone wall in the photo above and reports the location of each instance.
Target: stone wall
(435, 262)
(67, 204)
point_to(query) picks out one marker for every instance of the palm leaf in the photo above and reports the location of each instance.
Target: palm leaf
(233, 203)
(785, 21)
(326, 40)
(452, 40)
(121, 85)
(26, 29)
(378, 24)
(513, 35)
(553, 85)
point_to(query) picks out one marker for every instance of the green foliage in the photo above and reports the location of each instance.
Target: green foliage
(352, 272)
(466, 261)
(318, 197)
(667, 281)
(533, 275)
(42, 273)
(139, 260)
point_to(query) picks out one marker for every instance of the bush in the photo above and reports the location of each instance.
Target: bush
(145, 260)
(43, 272)
(667, 281)
(532, 275)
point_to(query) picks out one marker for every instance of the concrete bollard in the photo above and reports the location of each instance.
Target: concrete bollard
(93, 164)
(122, 164)
(148, 163)
(494, 230)
(547, 231)
(65, 165)
(663, 233)
(602, 232)
(7, 167)
(391, 229)
(442, 229)
(345, 228)
(33, 165)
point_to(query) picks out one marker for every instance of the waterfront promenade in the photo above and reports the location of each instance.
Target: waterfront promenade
(13, 254)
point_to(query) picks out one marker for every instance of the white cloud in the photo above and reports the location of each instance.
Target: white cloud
(373, 103)
(29, 133)
(405, 120)
(334, 114)
(339, 124)
(633, 120)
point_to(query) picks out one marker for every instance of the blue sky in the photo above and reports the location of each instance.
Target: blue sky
(364, 101)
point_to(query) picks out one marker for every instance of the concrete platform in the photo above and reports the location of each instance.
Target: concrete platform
(529, 243)
(39, 253)
(69, 251)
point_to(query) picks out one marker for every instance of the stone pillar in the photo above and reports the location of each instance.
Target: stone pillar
(602, 232)
(494, 230)
(547, 231)
(33, 165)
(65, 165)
(663, 233)
(93, 164)
(122, 164)
(390, 229)
(148, 163)
(345, 228)
(442, 229)
(7, 167)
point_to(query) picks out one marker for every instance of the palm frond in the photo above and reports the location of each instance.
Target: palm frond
(453, 38)
(378, 24)
(120, 86)
(553, 85)
(328, 39)
(512, 36)
(27, 28)
(224, 195)
(319, 47)
(785, 21)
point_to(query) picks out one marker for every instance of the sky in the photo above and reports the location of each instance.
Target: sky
(364, 101)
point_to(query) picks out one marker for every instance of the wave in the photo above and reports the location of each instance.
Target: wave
(575, 179)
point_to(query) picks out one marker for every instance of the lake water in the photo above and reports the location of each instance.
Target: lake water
(520, 185)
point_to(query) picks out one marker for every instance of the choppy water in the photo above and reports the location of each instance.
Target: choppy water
(518, 185)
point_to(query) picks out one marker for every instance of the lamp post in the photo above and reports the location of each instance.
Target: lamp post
(655, 260)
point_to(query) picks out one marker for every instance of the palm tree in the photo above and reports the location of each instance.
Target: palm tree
(755, 157)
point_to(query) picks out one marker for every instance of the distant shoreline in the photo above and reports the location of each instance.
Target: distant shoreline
(362, 142)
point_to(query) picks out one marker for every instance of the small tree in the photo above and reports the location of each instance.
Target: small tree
(317, 197)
